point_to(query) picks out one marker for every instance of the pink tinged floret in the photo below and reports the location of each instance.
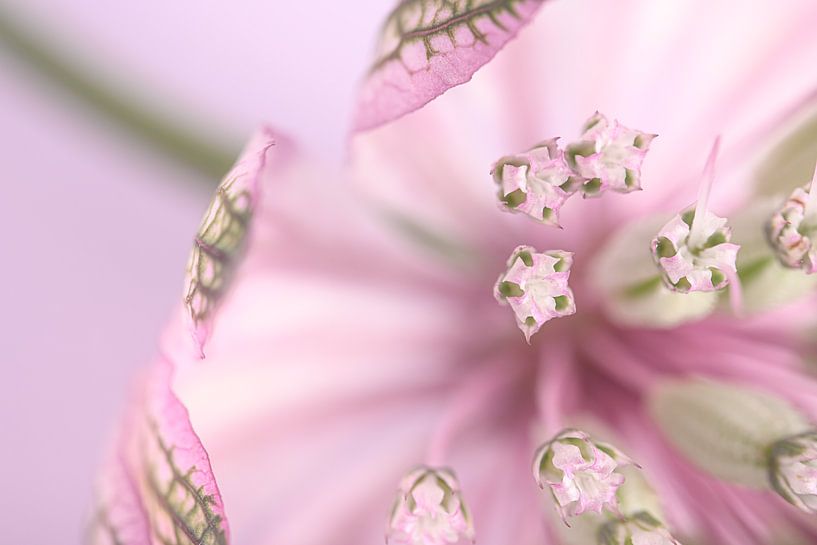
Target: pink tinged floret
(608, 156)
(536, 183)
(792, 230)
(427, 47)
(535, 285)
(580, 473)
(687, 268)
(429, 510)
(221, 238)
(693, 251)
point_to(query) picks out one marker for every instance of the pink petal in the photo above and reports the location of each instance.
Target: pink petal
(158, 486)
(221, 238)
(428, 47)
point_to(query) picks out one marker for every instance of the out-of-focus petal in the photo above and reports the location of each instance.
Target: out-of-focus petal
(158, 486)
(333, 313)
(221, 237)
(429, 46)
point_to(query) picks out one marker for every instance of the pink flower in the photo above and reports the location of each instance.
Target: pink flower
(359, 336)
(609, 156)
(535, 286)
(581, 474)
(536, 183)
(793, 227)
(429, 509)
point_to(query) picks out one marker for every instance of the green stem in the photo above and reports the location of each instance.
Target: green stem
(752, 269)
(645, 287)
(128, 112)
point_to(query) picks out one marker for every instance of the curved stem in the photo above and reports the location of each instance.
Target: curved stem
(550, 388)
(130, 113)
(810, 212)
(697, 237)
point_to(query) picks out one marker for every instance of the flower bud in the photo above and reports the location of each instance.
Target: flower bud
(429, 510)
(792, 230)
(536, 183)
(535, 286)
(583, 475)
(724, 429)
(608, 156)
(638, 529)
(793, 470)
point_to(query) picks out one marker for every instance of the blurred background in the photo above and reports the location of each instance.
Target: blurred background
(118, 118)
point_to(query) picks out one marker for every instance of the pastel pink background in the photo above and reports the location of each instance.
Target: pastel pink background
(96, 228)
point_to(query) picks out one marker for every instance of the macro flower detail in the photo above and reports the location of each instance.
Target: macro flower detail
(535, 286)
(350, 343)
(792, 230)
(793, 470)
(608, 156)
(536, 182)
(693, 251)
(583, 475)
(429, 510)
(638, 529)
(221, 237)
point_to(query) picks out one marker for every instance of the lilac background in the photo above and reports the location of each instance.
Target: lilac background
(97, 228)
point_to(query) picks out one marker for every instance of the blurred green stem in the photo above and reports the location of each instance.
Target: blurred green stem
(124, 110)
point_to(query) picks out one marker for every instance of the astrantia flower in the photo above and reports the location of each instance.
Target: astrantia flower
(581, 474)
(360, 336)
(429, 509)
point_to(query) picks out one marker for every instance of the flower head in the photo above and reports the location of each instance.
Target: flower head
(793, 470)
(793, 228)
(581, 473)
(638, 529)
(429, 510)
(535, 286)
(609, 156)
(536, 182)
(344, 328)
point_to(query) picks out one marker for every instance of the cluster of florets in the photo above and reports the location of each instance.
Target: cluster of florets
(539, 181)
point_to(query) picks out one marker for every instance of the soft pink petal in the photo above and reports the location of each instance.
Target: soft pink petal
(158, 486)
(221, 237)
(429, 46)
